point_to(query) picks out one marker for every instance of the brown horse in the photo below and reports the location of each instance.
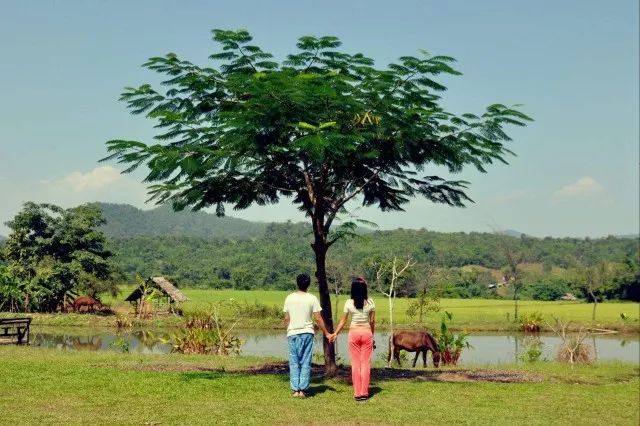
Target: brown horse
(89, 302)
(415, 341)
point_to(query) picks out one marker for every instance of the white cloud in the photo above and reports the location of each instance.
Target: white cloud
(93, 179)
(103, 183)
(583, 187)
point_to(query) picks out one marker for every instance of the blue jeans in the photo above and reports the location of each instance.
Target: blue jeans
(300, 351)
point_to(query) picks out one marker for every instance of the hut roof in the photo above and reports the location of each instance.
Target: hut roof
(165, 286)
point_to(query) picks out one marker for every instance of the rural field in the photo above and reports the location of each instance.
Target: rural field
(469, 314)
(111, 388)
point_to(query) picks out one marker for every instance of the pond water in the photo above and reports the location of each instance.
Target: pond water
(487, 348)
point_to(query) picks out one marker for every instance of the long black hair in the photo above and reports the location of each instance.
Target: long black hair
(359, 292)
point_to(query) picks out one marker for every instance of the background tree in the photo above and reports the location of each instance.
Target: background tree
(52, 253)
(390, 275)
(593, 279)
(321, 128)
(426, 298)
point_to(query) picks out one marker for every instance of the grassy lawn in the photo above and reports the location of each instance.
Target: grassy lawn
(39, 386)
(469, 314)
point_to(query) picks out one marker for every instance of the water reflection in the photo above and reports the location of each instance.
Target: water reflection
(487, 348)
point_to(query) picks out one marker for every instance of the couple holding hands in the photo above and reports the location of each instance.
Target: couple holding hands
(301, 307)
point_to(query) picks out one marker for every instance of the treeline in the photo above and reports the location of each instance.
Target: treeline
(269, 256)
(124, 221)
(467, 264)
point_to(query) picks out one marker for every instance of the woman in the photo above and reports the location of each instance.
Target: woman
(360, 341)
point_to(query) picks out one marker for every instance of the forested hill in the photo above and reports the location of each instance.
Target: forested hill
(204, 250)
(126, 221)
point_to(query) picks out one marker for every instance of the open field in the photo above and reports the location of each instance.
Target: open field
(53, 387)
(469, 314)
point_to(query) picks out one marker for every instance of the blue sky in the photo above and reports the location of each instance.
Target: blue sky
(573, 64)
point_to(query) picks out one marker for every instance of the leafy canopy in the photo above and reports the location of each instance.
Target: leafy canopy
(52, 253)
(322, 126)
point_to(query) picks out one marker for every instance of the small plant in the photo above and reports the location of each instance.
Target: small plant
(422, 304)
(123, 322)
(531, 322)
(533, 350)
(206, 333)
(450, 345)
(573, 348)
(120, 344)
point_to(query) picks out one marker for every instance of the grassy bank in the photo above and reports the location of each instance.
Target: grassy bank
(469, 314)
(54, 387)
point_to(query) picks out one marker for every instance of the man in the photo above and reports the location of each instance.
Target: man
(299, 310)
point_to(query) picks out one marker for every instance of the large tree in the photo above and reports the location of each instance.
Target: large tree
(322, 128)
(53, 253)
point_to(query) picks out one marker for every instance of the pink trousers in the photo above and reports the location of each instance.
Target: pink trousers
(360, 348)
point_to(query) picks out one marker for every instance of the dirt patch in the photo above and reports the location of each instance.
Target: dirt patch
(461, 375)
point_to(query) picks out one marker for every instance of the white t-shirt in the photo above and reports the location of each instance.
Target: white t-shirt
(359, 316)
(301, 307)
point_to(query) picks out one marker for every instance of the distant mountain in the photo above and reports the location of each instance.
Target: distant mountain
(124, 221)
(512, 233)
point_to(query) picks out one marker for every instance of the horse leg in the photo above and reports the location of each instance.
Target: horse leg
(396, 354)
(424, 359)
(416, 358)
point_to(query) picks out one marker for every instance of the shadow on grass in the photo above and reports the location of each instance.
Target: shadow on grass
(318, 389)
(202, 375)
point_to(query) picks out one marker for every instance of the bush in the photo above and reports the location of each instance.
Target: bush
(450, 345)
(549, 290)
(575, 350)
(533, 350)
(206, 333)
(531, 322)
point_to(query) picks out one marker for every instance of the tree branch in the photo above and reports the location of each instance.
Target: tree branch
(342, 202)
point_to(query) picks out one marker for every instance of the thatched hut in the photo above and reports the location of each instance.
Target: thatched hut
(164, 299)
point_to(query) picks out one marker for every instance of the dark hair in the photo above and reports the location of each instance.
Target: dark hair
(303, 281)
(359, 292)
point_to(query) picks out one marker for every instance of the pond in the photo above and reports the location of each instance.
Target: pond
(487, 348)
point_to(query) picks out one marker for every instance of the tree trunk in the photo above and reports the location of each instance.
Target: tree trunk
(320, 250)
(515, 301)
(595, 304)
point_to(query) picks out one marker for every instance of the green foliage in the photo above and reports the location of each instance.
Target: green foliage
(121, 344)
(552, 289)
(53, 253)
(531, 322)
(533, 350)
(206, 332)
(450, 345)
(422, 303)
(321, 128)
(323, 121)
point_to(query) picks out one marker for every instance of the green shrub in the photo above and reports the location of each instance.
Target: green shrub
(531, 322)
(450, 345)
(533, 350)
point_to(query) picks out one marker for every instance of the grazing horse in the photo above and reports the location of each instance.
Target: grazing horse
(415, 341)
(88, 301)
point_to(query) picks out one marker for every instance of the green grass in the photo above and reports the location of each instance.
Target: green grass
(469, 314)
(39, 386)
